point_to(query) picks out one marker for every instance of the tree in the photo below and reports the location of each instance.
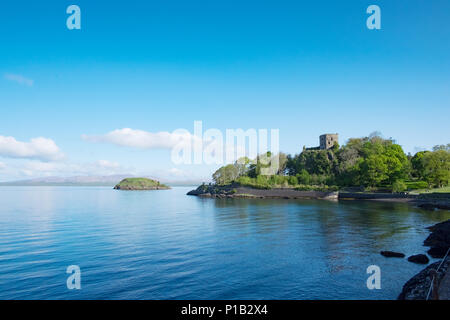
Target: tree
(304, 177)
(418, 169)
(348, 172)
(399, 186)
(243, 166)
(397, 163)
(437, 167)
(293, 181)
(282, 162)
(374, 170)
(226, 174)
(384, 161)
(442, 147)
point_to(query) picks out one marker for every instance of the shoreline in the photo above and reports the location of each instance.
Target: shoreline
(429, 201)
(418, 287)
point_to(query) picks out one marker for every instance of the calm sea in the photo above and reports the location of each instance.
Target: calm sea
(166, 245)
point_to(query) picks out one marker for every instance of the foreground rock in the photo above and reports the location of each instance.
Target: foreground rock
(392, 254)
(140, 184)
(417, 287)
(419, 258)
(439, 239)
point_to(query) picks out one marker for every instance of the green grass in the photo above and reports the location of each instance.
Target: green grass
(435, 190)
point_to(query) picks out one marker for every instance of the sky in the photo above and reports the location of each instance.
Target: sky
(107, 98)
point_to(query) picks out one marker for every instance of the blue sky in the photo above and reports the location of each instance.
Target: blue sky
(303, 67)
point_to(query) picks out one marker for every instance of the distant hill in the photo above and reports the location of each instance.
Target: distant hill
(69, 181)
(101, 181)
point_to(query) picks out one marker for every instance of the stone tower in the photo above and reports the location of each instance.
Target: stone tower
(327, 140)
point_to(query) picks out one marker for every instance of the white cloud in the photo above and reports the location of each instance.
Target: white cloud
(212, 146)
(2, 165)
(19, 79)
(142, 139)
(38, 148)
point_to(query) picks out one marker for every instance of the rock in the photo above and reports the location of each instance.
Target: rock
(419, 258)
(392, 254)
(207, 195)
(439, 239)
(437, 252)
(417, 287)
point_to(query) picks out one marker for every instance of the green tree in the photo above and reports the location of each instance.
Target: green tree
(399, 186)
(418, 169)
(397, 162)
(226, 174)
(293, 181)
(437, 167)
(374, 170)
(304, 177)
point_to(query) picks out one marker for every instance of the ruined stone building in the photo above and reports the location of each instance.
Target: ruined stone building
(328, 140)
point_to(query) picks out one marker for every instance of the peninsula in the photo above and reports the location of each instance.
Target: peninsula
(368, 168)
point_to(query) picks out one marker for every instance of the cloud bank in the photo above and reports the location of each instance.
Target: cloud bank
(38, 148)
(142, 139)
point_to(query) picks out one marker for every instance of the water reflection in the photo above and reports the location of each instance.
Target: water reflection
(166, 245)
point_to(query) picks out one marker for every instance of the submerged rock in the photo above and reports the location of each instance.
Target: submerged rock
(392, 254)
(419, 258)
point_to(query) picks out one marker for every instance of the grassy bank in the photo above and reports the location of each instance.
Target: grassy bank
(434, 190)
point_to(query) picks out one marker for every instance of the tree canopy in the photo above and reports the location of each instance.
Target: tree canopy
(363, 162)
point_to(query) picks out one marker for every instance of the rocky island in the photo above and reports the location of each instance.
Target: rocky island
(140, 184)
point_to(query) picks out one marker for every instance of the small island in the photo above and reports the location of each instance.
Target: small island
(140, 184)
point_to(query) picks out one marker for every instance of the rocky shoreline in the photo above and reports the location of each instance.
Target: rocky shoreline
(427, 202)
(439, 242)
(238, 191)
(418, 286)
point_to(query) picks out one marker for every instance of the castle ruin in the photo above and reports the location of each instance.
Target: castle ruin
(328, 140)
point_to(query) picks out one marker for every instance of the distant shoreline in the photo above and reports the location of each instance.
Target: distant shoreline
(110, 185)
